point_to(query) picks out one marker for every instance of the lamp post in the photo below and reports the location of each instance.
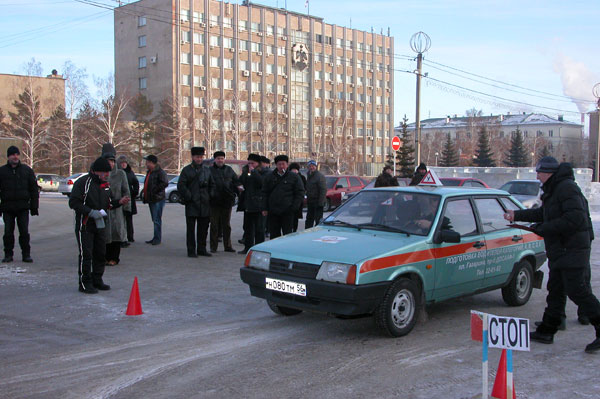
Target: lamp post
(419, 43)
(596, 93)
(532, 159)
(436, 158)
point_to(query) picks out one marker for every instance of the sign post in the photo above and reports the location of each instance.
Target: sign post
(395, 147)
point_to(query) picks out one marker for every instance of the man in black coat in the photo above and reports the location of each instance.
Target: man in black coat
(265, 169)
(90, 199)
(196, 187)
(387, 178)
(134, 188)
(154, 195)
(419, 174)
(227, 187)
(19, 196)
(251, 179)
(316, 195)
(564, 223)
(295, 168)
(282, 195)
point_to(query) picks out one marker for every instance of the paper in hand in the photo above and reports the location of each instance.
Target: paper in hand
(103, 212)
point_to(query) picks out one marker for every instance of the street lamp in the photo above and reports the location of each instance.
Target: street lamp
(596, 93)
(419, 43)
(436, 158)
(532, 159)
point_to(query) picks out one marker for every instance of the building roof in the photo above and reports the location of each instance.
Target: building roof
(501, 120)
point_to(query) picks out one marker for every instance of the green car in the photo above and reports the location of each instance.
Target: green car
(389, 251)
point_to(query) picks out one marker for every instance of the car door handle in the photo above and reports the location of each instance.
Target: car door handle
(479, 244)
(517, 238)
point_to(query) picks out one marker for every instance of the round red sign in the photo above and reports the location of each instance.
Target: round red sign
(395, 143)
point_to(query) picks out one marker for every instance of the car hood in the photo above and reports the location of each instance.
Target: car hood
(338, 244)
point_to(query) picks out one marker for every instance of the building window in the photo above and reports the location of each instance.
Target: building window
(550, 133)
(185, 101)
(215, 40)
(318, 38)
(215, 19)
(184, 15)
(270, 50)
(198, 38)
(198, 17)
(215, 61)
(328, 40)
(243, 26)
(281, 51)
(318, 75)
(256, 67)
(198, 59)
(227, 22)
(185, 58)
(318, 93)
(270, 69)
(142, 41)
(198, 102)
(185, 80)
(270, 87)
(215, 83)
(198, 81)
(228, 84)
(142, 83)
(243, 45)
(141, 21)
(256, 47)
(255, 27)
(185, 36)
(270, 30)
(281, 31)
(227, 42)
(338, 42)
(142, 62)
(228, 63)
(216, 103)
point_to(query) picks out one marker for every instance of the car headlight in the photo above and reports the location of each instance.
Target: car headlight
(258, 260)
(337, 272)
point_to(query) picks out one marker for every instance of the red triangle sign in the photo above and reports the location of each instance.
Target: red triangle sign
(430, 179)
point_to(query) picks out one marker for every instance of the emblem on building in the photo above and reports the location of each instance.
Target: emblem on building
(299, 56)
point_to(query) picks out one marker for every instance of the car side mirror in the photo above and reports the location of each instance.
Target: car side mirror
(447, 236)
(338, 187)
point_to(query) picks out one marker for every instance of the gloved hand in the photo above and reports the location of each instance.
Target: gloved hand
(34, 212)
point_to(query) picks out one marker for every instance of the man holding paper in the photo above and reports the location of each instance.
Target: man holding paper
(90, 199)
(564, 223)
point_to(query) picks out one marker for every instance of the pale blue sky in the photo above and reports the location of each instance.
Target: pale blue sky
(549, 46)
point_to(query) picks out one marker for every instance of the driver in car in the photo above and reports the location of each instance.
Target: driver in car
(427, 213)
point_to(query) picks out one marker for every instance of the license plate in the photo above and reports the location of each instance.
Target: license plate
(285, 286)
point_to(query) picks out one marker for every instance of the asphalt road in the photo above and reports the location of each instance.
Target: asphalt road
(203, 336)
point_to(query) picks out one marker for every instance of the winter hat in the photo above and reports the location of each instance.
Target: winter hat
(294, 165)
(108, 151)
(101, 165)
(219, 154)
(547, 165)
(282, 157)
(198, 151)
(151, 158)
(254, 157)
(12, 150)
(264, 159)
(121, 159)
(311, 162)
(422, 166)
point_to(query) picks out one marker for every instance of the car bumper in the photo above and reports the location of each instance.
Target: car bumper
(321, 296)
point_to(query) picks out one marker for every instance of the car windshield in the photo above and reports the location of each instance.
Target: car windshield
(450, 182)
(330, 181)
(174, 180)
(75, 176)
(406, 212)
(522, 188)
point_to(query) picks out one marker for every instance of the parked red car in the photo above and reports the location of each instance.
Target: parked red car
(463, 182)
(339, 186)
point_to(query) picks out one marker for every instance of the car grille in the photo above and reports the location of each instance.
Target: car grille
(299, 269)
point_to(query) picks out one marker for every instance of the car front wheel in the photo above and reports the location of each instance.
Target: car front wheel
(174, 197)
(282, 310)
(518, 291)
(327, 206)
(399, 310)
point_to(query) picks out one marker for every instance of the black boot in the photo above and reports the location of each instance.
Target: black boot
(204, 252)
(99, 285)
(545, 331)
(595, 345)
(7, 258)
(27, 258)
(89, 289)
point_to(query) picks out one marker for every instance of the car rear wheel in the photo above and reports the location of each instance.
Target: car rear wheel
(399, 310)
(518, 291)
(327, 206)
(174, 197)
(282, 310)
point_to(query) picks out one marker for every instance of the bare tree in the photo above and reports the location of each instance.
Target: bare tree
(234, 117)
(112, 107)
(266, 133)
(170, 135)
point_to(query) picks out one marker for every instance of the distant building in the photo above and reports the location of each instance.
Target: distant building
(49, 90)
(256, 78)
(594, 142)
(563, 139)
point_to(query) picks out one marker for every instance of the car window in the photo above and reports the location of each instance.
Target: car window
(354, 182)
(491, 214)
(506, 187)
(174, 180)
(476, 183)
(459, 216)
(342, 181)
(450, 182)
(509, 204)
(75, 176)
(330, 182)
(392, 210)
(524, 188)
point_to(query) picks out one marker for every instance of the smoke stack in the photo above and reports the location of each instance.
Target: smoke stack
(561, 118)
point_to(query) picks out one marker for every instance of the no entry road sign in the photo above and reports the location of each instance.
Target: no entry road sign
(395, 143)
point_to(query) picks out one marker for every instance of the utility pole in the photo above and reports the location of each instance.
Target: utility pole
(419, 43)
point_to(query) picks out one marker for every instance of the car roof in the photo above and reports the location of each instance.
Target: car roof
(445, 190)
(524, 181)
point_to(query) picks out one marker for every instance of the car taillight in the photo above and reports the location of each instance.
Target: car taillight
(70, 182)
(351, 277)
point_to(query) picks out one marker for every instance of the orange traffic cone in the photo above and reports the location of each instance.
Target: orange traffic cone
(499, 389)
(134, 307)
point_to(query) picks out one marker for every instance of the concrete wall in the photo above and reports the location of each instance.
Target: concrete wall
(50, 91)
(495, 177)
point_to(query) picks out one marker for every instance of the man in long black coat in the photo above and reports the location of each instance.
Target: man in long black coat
(19, 196)
(196, 186)
(251, 179)
(283, 193)
(564, 223)
(134, 188)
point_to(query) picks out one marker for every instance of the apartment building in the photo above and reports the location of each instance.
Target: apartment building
(252, 78)
(49, 90)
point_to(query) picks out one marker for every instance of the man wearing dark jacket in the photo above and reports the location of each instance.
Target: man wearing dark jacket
(154, 195)
(196, 187)
(251, 178)
(282, 195)
(419, 174)
(90, 199)
(387, 178)
(227, 187)
(564, 223)
(19, 196)
(316, 195)
(134, 188)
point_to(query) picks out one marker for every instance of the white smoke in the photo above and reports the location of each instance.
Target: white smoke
(577, 81)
